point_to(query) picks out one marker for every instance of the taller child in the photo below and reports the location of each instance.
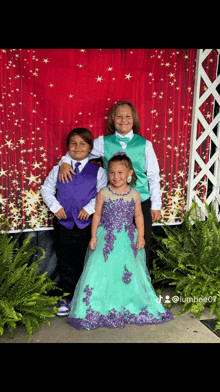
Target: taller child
(123, 134)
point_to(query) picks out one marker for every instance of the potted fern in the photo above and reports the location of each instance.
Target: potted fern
(191, 262)
(23, 292)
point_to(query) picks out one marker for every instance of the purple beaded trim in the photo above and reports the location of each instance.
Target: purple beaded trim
(116, 319)
(126, 278)
(119, 194)
(88, 294)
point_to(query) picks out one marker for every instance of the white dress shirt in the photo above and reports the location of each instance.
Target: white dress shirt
(48, 189)
(152, 167)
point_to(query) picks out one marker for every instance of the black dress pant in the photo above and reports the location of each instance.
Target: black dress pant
(70, 247)
(146, 209)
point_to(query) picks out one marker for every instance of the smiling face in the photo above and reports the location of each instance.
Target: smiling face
(118, 174)
(123, 119)
(78, 148)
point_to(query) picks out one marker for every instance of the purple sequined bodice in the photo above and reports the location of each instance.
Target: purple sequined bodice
(116, 214)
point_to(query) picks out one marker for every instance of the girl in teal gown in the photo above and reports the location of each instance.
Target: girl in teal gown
(115, 286)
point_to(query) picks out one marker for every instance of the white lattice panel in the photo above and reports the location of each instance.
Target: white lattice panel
(196, 141)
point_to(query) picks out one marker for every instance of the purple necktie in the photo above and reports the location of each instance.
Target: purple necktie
(77, 169)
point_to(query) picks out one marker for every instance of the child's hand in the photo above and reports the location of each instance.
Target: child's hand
(60, 214)
(156, 215)
(92, 243)
(64, 172)
(140, 243)
(83, 215)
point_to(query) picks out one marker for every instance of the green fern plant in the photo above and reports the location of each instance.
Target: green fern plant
(191, 259)
(23, 292)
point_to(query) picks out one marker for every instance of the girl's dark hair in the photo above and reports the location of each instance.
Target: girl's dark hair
(84, 133)
(111, 122)
(125, 160)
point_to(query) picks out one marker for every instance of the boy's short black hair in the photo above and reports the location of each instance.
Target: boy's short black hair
(84, 133)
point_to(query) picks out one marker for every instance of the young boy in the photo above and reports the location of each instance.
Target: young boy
(73, 203)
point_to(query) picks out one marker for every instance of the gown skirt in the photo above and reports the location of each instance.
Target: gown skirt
(115, 286)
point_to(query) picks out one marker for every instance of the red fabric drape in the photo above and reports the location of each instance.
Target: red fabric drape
(45, 93)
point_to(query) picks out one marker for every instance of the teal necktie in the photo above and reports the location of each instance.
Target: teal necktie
(126, 140)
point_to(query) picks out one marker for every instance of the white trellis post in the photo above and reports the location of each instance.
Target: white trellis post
(196, 141)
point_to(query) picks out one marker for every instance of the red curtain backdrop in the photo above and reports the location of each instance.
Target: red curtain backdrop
(45, 93)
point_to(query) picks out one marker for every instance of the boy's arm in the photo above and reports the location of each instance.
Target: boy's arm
(96, 219)
(48, 191)
(153, 176)
(66, 158)
(65, 168)
(139, 221)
